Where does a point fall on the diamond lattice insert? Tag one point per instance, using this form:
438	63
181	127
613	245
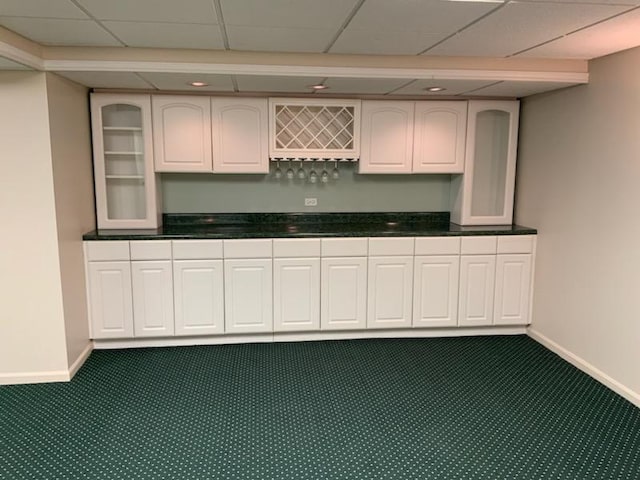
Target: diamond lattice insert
307	127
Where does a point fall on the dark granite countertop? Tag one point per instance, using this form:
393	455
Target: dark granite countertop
306	225
303	225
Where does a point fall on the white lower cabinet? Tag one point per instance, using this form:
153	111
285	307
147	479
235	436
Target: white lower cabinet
248	295
390	291
435	291
110	303
477	277
343	303
152	287
198	287
513	289
296	294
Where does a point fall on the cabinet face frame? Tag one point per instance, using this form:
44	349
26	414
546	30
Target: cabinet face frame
462	187
153	210
279	152
169	135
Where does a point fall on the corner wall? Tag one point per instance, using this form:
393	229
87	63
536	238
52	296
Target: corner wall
74	203
579	184
32	334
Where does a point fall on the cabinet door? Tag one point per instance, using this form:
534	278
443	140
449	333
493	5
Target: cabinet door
513	290
198	288
248	295
435	294
110	303
390	289
343	293
152	298
477	276
296	293
387	137
125	183
240	135
182	133
439	137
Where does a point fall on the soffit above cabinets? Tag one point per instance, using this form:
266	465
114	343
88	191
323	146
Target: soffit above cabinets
395	30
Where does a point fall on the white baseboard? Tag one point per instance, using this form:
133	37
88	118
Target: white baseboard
34	377
75	366
586	367
307	336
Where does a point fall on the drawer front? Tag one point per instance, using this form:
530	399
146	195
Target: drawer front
250	248
197	249
297	247
107	251
438	246
390	246
516	244
479	245
150	250
344	247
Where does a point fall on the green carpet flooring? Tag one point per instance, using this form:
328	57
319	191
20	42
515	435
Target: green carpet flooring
459	408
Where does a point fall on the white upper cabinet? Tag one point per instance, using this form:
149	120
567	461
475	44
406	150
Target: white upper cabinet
123	161
439	137
484	194
182	133
240	135
413	137
314	128
387	137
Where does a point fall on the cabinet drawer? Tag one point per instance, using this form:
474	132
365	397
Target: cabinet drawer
438	246
515	244
250	248
151	250
197	249
298	247
107	251
344	247
390	246
479	245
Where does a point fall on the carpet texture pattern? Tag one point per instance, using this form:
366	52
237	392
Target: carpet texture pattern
444	408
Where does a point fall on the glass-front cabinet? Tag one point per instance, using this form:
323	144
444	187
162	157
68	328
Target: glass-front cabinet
123	162
484	194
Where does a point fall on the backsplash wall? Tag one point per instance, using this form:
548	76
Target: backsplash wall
200	192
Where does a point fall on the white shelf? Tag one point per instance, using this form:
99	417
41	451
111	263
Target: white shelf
125	177
124	153
122	129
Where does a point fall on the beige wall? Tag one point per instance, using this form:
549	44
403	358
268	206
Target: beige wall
579	184
74	201
32	337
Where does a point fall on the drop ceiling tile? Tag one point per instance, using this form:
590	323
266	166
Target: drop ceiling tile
106	79
519	89
619	33
374	86
278	39
453	87
378	42
287	13
264	83
40	8
183	11
434	16
180	81
60	32
6	64
167	35
519	25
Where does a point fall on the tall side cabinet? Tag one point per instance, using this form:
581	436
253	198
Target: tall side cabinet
125	182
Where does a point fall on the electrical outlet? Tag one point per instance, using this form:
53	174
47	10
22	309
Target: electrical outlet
310	202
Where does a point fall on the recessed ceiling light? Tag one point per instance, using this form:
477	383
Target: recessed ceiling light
435	89
319	86
198	84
